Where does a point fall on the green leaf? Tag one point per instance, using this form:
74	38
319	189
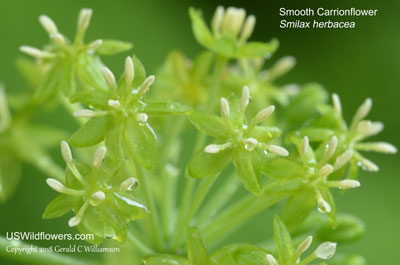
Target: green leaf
114	140
327	195
225	45
61	205
96	99
141	143
298	208
84	230
10	173
204	164
200	29
283	242
197	253
282	187
118	224
209	124
91	133
257	49
89	72
111	47
348	229
264	134
165	259
247	169
282	168
240	254
129	206
164	107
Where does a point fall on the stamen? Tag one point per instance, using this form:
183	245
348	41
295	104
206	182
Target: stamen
343	159
129	71
98	156
263	114
36	52
128	184
4	111
114	103
271	260
362	111
59	187
145	86
217	19
304	146
233	20
76	220
326	250
87	113
381	147
109	77
304	246
248	28
97	198
283	66
250	144
337	105
95	44
278	150
212	148
48	24
84	20
323	206
142	118
368	128
330	150
59	39
244	100
369	165
66	152
346	184
325	170
225	109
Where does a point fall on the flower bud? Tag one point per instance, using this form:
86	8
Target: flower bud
326	250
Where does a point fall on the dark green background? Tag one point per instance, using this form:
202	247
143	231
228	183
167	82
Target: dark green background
355	63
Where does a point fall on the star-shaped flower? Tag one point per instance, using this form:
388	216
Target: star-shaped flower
99	194
120	116
243	143
71	64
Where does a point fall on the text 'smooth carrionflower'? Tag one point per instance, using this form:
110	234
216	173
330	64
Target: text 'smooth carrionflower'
99	194
120	116
71	64
307	181
243	143
229	34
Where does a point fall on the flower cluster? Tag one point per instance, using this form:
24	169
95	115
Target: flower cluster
99	194
69	65
243	143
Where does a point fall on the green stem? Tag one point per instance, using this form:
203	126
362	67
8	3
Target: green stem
309	259
36	257
215	204
155	230
169	181
236	216
138	244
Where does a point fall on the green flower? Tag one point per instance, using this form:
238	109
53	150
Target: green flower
230	32
99	194
70	64
307	180
243	143
288	255
120	116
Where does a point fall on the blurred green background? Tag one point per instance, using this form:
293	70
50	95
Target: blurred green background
356	63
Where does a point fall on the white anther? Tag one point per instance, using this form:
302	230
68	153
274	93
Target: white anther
95	44
128	184
337	105
212	148
129	71
263	114
97	198
381	147
114	103
304	146
48	24
66	152
36	52
348	184
304	246
84	19
278	150
248	28
325	170
55	185
98	156
244	100
217	19
59	39
271	260
343	159
363	110
142	118
330	150
108	76
225	109
324	206
74	221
